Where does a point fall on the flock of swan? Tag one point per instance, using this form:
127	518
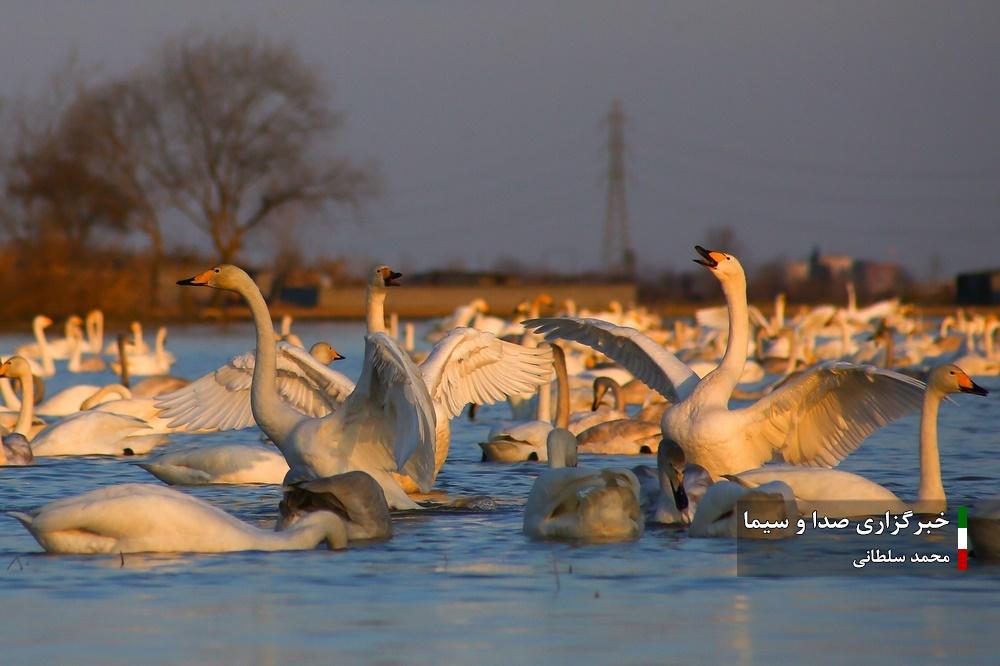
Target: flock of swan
349	452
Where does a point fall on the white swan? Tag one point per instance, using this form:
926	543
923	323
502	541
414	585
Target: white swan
670	493
839	493
146	518
157	362
354	496
144	409
718	513
815	419
14	448
570	502
94	325
77	363
137	345
465	366
63	403
627	436
223	464
39	354
386	424
84	433
527	440
220	400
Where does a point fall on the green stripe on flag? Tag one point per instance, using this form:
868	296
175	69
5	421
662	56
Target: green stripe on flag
963	517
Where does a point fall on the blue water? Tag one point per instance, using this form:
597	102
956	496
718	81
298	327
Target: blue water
467	587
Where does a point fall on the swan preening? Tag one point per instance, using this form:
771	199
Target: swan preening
139	518
579	503
348	450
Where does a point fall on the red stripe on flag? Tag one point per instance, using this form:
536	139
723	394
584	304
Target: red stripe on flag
963	560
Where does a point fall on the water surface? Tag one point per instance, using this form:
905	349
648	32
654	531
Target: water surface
470	587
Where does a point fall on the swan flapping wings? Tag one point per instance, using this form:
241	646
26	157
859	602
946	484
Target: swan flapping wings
823	415
651	363
391	413
470	366
220	400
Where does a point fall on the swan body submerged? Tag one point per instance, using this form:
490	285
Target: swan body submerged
138	518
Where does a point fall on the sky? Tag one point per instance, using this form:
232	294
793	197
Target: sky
864	128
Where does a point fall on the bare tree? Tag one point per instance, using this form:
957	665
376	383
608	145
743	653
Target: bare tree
238	132
106	123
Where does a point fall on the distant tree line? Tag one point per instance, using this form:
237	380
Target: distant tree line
233	134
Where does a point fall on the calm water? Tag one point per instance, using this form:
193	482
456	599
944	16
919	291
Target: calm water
463	587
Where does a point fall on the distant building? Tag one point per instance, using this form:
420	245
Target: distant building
979	288
872	278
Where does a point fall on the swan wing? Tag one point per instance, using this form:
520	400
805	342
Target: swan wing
826	412
391	413
220	400
475	366
336	385
652	364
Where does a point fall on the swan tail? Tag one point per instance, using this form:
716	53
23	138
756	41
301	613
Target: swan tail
24	518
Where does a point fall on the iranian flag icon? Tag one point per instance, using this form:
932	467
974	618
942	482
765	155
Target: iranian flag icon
963	538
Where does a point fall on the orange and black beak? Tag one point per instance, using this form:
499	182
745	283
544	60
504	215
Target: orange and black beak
337	356
966	385
709	260
390	280
199	280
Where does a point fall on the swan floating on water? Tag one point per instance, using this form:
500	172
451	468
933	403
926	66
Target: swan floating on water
570	502
147	518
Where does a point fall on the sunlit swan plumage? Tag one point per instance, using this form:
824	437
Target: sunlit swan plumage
223	463
570	502
386	424
139	518
815	419
840	493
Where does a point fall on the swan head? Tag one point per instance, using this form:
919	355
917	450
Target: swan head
329	523
601	387
15	367
325	353
41	321
225	276
383	276
670	462
952	379
561	447
724	266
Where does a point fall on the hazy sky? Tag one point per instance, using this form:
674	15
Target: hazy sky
870	128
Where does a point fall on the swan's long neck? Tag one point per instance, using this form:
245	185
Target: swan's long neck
931	489
270	412
27	413
98	397
543	410
721	381
43	347
375	310
306	533
95	331
616	393
9	397
562	388
845	337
